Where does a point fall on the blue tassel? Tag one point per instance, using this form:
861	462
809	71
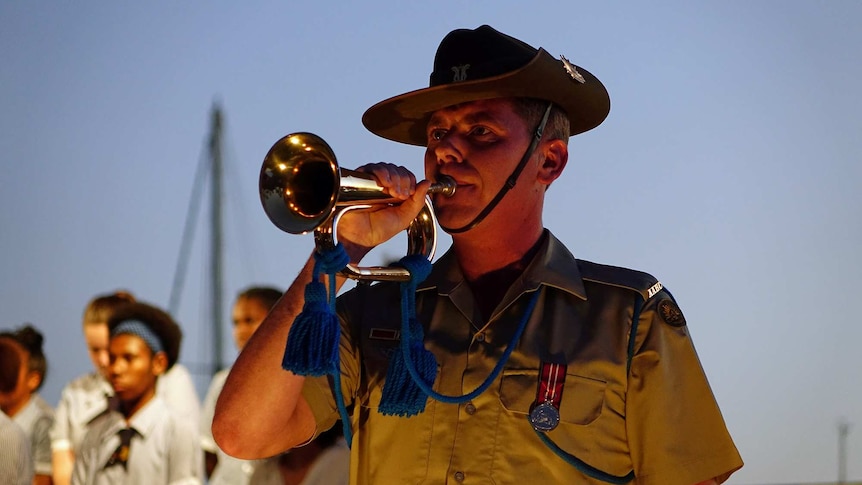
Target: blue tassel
312	345
402	396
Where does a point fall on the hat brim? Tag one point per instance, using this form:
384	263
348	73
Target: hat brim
404	118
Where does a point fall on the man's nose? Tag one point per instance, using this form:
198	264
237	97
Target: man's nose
449	149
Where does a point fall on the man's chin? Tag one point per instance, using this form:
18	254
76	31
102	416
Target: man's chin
450	224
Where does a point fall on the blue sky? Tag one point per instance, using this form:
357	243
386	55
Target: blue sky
729	167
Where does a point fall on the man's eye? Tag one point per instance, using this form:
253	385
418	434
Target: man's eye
437	135
480	131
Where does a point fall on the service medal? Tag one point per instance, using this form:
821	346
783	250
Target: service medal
544	417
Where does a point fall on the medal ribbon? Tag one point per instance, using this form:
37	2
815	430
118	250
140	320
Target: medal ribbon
550	390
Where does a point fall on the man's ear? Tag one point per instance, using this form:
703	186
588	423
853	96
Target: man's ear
160	363
556	155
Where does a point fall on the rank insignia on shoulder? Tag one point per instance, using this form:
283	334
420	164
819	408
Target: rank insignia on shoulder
671	313
654	289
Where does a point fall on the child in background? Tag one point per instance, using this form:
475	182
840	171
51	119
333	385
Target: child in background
324	461
16	464
88	396
143	441
25	406
249	310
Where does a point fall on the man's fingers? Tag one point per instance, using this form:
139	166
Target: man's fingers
397	180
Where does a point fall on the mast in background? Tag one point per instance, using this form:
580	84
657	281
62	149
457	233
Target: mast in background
210	167
216	246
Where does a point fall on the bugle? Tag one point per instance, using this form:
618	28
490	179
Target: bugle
302	189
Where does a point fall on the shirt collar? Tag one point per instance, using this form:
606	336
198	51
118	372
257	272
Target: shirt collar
552	266
28	413
149	416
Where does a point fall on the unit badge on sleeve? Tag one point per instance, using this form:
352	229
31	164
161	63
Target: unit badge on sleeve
671	313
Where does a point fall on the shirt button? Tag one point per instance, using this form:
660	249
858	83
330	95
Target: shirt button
470	408
480	337
459	477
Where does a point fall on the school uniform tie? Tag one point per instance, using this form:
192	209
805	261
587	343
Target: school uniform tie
121	454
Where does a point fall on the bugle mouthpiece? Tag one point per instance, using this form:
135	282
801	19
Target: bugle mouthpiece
445	185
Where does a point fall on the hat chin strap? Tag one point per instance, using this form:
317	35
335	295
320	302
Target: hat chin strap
510	182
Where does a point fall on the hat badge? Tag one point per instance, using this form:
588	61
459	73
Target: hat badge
460	73
572	70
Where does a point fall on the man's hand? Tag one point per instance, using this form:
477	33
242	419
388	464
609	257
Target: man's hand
362	230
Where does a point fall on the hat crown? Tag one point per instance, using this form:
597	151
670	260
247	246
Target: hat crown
472	65
471	54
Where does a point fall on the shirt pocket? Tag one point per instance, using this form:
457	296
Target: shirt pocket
582	402
375	366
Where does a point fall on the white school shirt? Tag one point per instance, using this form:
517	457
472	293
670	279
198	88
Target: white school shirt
229	470
164	449
36	419
16	465
86	397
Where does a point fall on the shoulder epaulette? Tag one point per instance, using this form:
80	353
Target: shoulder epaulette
644	283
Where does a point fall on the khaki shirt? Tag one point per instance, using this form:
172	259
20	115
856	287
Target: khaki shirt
658	419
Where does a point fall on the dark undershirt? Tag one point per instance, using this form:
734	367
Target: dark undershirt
491	287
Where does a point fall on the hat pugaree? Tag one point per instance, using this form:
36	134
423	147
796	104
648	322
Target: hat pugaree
483	63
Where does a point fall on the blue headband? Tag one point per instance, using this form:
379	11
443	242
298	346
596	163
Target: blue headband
142	330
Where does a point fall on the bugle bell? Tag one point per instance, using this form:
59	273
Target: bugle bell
302	189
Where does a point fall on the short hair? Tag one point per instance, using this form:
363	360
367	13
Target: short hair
100	308
10	365
265	295
159	321
31	340
531	111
